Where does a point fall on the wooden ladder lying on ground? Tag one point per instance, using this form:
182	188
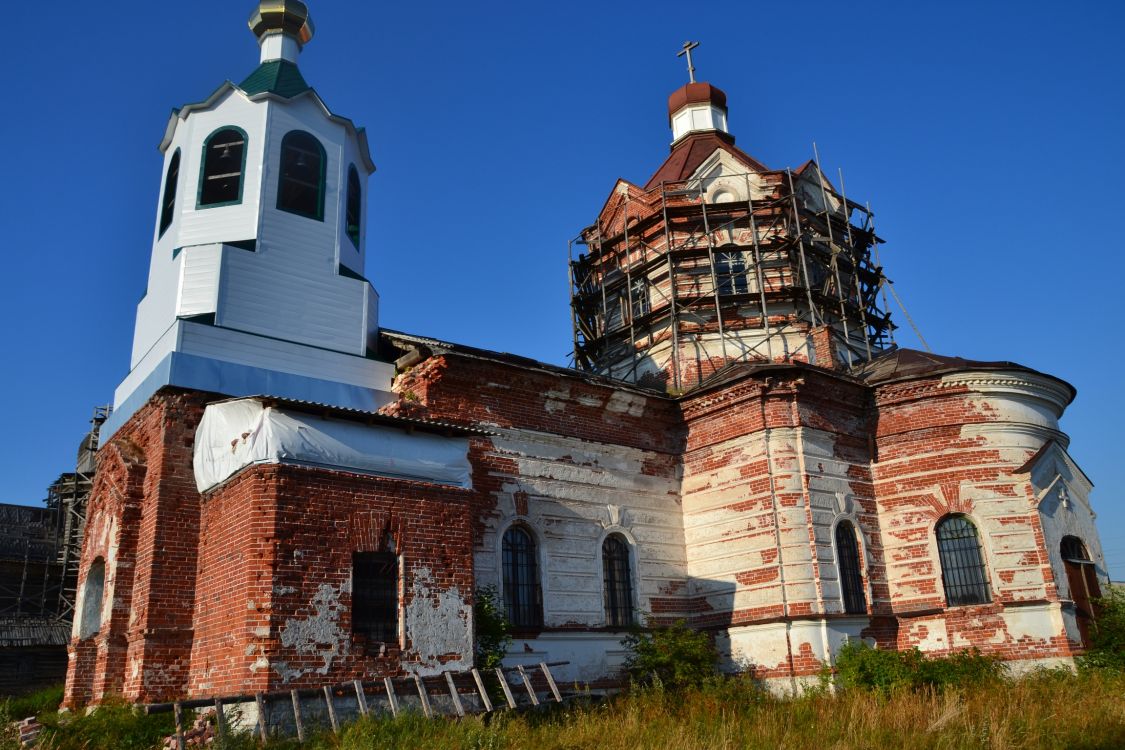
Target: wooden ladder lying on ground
417	685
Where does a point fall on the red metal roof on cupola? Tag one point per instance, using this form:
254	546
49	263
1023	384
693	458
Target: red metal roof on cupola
695	93
694	149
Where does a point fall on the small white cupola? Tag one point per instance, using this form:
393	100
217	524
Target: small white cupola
697	108
283	28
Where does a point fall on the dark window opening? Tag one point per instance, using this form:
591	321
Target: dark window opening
730	272
375	596
522	597
851	577
224	160
962	566
618	582
300	188
1082	580
354	211
168	204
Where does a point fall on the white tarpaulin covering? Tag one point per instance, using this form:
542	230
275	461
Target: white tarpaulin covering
236	434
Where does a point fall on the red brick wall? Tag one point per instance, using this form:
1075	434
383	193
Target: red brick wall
248	589
466	390
274	602
930	465
145	490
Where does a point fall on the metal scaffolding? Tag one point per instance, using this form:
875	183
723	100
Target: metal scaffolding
68	495
40	547
690	279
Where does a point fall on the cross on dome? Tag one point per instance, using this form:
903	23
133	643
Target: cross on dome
688	47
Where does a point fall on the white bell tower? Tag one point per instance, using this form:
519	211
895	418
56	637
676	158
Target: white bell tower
256	282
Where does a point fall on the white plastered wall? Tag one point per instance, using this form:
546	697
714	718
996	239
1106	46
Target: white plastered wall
578	492
1063	495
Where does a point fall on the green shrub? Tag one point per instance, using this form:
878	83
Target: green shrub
676	655
1107	634
18	707
861	666
493	631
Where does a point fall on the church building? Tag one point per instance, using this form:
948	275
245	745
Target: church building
290	496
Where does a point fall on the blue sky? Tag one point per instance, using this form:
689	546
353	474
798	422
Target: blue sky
988	137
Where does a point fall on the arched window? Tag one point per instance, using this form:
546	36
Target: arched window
300	188
92	593
354	212
851	577
522	599
168	204
224	162
962	566
618	582
1082	580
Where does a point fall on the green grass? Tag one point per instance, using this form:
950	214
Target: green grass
1046	710
18	707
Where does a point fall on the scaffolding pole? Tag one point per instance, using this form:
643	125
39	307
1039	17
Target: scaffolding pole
855	267
834	253
801	246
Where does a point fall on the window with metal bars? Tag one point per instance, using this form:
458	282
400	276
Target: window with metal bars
300	188
618	582
354	208
224	163
168	203
962	566
375	596
522	597
851	575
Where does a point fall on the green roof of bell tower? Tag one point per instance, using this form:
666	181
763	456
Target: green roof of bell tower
279	77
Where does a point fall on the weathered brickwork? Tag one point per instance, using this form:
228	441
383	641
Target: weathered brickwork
574	460
729	498
276	553
143	522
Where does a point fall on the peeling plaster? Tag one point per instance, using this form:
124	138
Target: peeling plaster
317	635
1038	623
439	623
929	635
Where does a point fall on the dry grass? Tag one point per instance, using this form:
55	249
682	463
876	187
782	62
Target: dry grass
1046	711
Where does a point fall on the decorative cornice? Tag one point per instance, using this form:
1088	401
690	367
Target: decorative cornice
1026	384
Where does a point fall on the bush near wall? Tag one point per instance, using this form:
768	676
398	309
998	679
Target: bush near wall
676	655
861	666
1107	646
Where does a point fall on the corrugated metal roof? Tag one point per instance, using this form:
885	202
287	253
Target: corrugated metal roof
27	631
905	364
517	360
374	417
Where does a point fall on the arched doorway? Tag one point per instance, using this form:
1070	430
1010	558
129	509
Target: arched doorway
1082	578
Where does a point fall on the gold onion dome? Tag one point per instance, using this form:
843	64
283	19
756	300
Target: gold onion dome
282	17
